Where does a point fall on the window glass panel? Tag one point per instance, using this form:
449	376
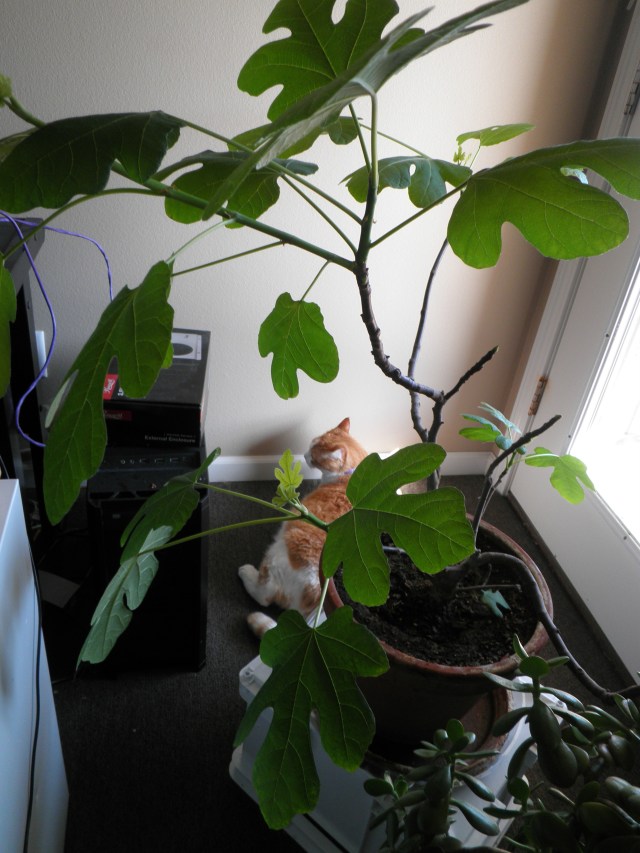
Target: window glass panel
608	438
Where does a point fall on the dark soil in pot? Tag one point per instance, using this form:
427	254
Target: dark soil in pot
458	630
426	685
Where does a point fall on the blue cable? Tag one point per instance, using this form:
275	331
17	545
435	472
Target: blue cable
17	223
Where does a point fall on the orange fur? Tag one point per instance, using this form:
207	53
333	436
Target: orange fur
289	573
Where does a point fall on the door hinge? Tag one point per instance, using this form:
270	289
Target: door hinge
634	94
537	395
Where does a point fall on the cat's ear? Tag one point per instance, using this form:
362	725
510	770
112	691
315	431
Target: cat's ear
344	425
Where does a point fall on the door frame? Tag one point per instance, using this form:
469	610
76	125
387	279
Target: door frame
610	597
566	282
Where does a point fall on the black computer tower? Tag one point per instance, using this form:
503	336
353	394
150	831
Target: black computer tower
169	627
19	459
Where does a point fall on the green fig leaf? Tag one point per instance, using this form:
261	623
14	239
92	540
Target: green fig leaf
8	306
425	178
495	135
295	333
123	594
495	601
171	506
313	669
485	431
342	131
157	521
431	527
562	217
10	142
74	156
363	62
289	479
136	328
317	49
497	414
256	195
569	475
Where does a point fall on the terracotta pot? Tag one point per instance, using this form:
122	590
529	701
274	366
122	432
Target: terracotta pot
416	697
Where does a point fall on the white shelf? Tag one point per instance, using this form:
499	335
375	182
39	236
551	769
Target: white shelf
19	649
340	821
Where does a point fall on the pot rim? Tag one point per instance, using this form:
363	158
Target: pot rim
504	665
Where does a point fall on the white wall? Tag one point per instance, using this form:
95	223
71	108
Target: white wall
537	63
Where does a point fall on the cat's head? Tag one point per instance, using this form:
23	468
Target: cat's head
336	453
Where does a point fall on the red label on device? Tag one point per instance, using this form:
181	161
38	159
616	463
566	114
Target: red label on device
118	415
110	382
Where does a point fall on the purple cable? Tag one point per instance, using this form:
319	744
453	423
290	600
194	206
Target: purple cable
74	234
16	224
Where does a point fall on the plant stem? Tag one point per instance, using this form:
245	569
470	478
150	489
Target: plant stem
476	368
195	239
267	504
363	147
321	213
17	109
417	345
229	258
417	215
364	245
441	400
399	142
301	514
380	358
323	595
274	166
207	132
76	201
310	518
423	313
212	531
529	583
308	185
158	188
291	240
489	487
315	278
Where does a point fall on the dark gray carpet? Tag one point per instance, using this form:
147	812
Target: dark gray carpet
147	752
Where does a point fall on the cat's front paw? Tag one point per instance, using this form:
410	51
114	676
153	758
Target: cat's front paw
250	577
248	573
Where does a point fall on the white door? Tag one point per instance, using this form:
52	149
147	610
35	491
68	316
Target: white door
588	350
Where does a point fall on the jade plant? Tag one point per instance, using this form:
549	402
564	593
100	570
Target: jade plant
580	803
328	72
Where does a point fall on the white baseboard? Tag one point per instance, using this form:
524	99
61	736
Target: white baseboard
234	469
465	463
247	468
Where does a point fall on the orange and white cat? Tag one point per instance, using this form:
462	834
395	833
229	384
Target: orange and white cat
289	573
